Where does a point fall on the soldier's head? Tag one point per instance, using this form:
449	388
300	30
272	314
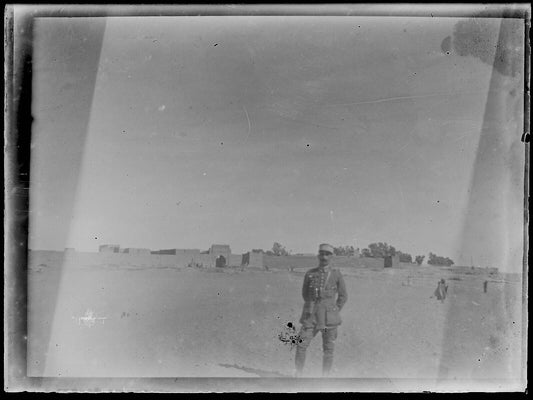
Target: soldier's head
325	254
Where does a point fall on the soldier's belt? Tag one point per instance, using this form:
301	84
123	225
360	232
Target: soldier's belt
320	299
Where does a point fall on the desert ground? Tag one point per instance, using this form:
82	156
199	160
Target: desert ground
189	322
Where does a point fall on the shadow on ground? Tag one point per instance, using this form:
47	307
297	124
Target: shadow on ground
259	372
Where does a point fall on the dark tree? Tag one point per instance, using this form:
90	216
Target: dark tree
366	253
379	250
434	259
344	251
419	259
405	257
279	250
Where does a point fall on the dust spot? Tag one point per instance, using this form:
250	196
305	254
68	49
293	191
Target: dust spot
289	337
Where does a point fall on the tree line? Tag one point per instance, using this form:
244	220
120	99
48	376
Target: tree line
381	249
374	250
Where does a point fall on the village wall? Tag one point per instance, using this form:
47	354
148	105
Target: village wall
182	259
369	262
253	259
235	260
284	262
207	260
136	251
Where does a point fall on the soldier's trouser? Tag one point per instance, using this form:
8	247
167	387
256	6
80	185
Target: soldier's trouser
328	345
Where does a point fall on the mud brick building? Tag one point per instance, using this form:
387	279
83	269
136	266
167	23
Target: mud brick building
253	259
392	261
109	248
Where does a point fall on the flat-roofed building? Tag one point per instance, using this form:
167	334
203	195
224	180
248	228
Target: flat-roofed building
109	248
392	261
253	259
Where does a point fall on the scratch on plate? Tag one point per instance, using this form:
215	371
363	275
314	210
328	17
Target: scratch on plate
301	121
421	96
248	118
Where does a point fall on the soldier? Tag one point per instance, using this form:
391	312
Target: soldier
324	293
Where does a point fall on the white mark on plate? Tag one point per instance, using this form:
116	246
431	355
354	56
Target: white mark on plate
90	318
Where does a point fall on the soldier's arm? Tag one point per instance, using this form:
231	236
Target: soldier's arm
341	291
305	288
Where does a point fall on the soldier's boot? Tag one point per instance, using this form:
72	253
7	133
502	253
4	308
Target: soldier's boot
327	362
328	346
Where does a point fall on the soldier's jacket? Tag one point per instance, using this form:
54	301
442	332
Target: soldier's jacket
324	297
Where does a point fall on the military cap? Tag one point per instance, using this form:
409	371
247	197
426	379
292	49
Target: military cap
326	247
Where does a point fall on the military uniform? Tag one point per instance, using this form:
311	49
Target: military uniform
324	293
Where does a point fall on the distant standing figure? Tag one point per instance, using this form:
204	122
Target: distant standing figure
441	291
485	284
324	293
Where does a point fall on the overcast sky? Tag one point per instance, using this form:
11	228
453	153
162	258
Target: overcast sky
181	132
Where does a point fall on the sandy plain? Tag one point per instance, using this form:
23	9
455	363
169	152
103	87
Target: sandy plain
125	322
